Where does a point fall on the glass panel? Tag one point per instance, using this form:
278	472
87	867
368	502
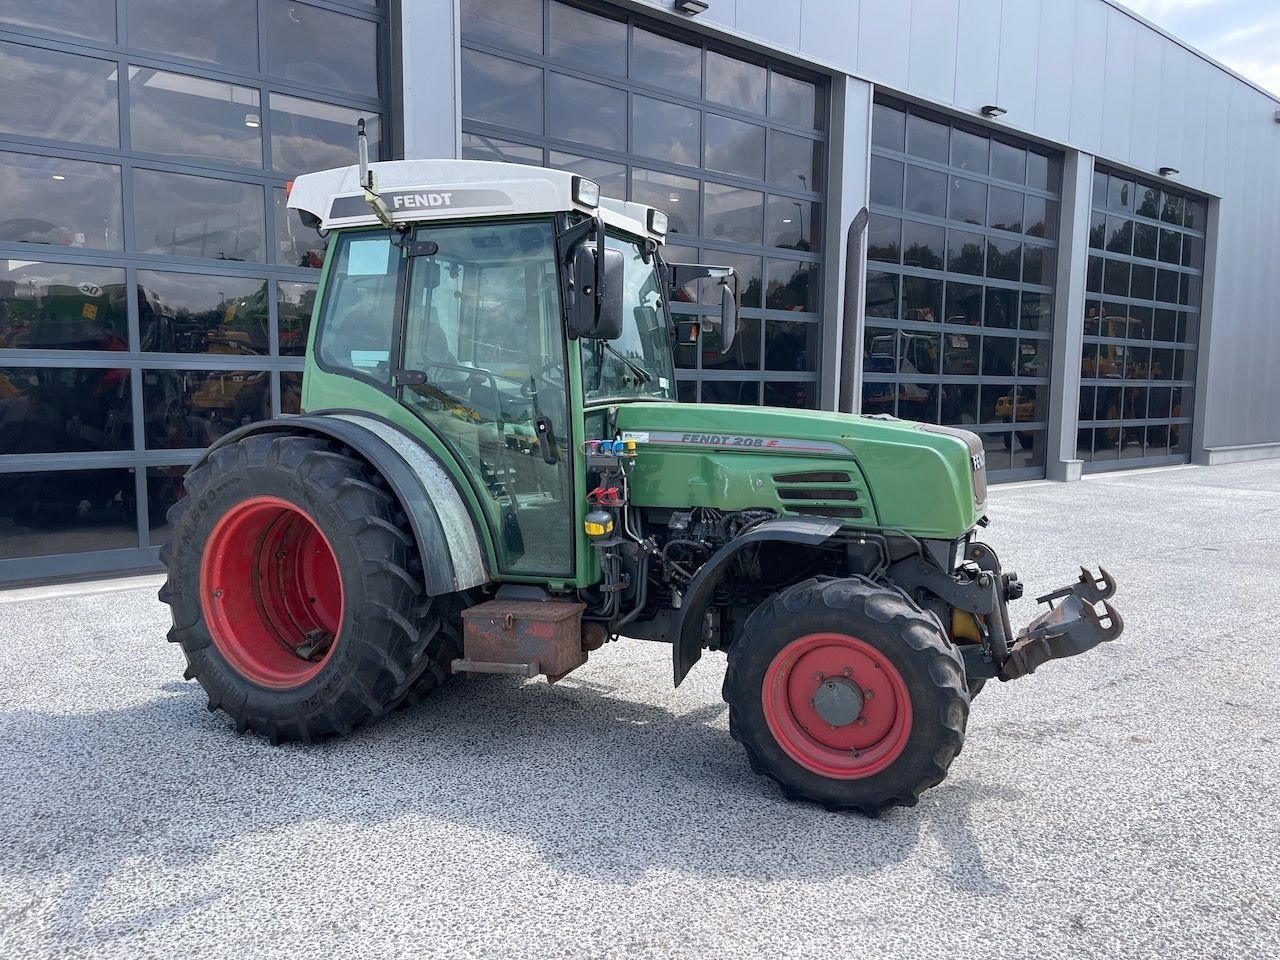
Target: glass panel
749	270
294	303
1145	239
501	92
884	239
1172	210
580	37
924	245
494	371
879	350
678	196
1167	286
996	403
1099	189
481	146
734	146
735	83
743	355
64	203
1005	211
195	118
67	511
1002	308
61	306
803	395
792	286
212	31
1148	202
918	353
1115	280
514	24
1166	325
1119	235
1142	282
730	391
926	191
84	89
886	182
90	19
1008	162
921	300
165	487
965	252
959	401
927	139
1170	246
968	200
665	131
1120	194
793	101
969	151
308	135
878	398
322	48
1196	214
793	160
998	356
791	224
1037	311
964	304
960	356
1033	361
888	128
587	112
1093	275
1140	320
194	313
1038	264
919	401
192	408
1097	230
64	410
1043	173
198	217
882	294
687	391
1192	251
1041	217
791	345
667	63
730	213
297	245
612	177
1004	259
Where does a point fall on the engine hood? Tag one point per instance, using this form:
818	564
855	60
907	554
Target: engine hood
928	480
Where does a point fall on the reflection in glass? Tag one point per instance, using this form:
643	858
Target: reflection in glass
921	299
1008	162
926	191
514	24
189	409
791	345
64	410
888	128
799	394
587	112
503	92
927	139
90	19
1002	308
56	306
83	87
744	354
190	216
968	202
481	146
749	270
792	286
923	245
734	146
612	177
1004	259
965	252
290	392
1005	210
307	135
793	101
998	356
886	182
791	224
964	303
194	313
677	196
735	83
1041	217
165	487
969	151
1037	311
294	303
212	30
793	161
63	203
959	400
884	239
297	245
322	48
1038	264
580	37
960	354
67	511
663	62
195	118
882	295
665	131
731	213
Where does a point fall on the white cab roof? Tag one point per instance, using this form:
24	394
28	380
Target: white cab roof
426	190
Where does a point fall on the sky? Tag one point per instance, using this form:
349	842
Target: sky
1243	34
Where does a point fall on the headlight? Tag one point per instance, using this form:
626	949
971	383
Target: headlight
586	192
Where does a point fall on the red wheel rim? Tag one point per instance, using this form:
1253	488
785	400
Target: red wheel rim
270	589
861	747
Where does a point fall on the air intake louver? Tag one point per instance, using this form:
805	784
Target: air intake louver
818	493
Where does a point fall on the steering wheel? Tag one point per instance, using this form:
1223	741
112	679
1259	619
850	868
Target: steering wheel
527	384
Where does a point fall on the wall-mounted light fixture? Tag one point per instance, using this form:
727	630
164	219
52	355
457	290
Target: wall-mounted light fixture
690	8
1168	171
992	111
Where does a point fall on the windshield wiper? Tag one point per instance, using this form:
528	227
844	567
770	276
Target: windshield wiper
639	372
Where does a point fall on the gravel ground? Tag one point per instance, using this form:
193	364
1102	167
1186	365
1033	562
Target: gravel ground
1123	804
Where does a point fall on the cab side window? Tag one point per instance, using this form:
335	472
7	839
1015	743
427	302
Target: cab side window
355	330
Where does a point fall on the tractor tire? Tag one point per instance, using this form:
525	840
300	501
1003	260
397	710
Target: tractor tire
893	698
296	591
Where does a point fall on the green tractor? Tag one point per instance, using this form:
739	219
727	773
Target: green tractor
493	475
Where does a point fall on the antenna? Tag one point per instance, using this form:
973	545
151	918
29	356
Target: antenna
367	182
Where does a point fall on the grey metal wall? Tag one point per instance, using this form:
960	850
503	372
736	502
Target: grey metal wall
1082	74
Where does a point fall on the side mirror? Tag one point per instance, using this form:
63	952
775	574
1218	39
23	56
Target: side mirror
728	317
596	311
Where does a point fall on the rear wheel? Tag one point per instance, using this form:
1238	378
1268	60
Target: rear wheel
847	694
295	588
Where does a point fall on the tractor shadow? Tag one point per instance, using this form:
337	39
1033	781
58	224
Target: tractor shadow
603	788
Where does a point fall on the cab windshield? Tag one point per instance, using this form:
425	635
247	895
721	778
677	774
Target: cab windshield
637	365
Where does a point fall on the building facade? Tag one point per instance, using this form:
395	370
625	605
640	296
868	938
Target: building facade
1072	218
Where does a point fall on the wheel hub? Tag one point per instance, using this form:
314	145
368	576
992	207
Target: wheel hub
838	701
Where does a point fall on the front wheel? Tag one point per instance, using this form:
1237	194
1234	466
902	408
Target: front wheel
847	694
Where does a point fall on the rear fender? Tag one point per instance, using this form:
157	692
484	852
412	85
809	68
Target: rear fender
686	646
452	558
